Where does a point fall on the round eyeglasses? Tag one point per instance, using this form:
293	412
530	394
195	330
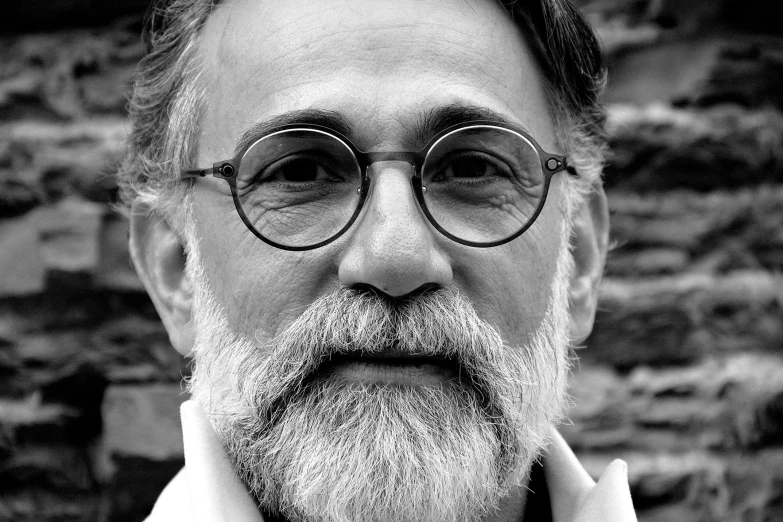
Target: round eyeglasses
301	186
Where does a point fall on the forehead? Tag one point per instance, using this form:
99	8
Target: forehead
381	63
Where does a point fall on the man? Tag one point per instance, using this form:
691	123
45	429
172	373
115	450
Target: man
378	300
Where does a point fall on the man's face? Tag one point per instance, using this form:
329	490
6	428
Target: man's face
384	66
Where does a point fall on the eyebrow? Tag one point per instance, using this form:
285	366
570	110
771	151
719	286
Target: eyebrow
330	119
441	118
427	125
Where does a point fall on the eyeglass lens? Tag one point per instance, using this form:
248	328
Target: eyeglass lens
483	184
301	187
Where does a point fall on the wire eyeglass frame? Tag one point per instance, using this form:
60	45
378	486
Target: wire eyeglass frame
228	170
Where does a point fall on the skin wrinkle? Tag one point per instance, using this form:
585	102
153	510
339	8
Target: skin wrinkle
454	80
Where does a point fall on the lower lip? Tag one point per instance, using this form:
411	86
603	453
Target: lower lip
416	373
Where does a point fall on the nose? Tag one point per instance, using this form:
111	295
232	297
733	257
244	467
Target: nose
393	248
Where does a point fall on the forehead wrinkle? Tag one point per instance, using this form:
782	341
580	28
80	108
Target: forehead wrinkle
284	37
471	68
335	51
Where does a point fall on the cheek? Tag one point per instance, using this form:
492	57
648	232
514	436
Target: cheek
510	286
261	288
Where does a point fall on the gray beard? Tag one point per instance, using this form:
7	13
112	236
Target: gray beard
312	447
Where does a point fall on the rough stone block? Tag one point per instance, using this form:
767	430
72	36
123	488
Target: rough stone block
69	74
636	330
137	350
69	235
729	69
681	415
56	405
731	403
29	421
676	320
16	197
143	421
57	467
659	148
647	74
22	266
60	160
52	349
684	231
742	312
41	505
106	91
682	20
26	84
646	262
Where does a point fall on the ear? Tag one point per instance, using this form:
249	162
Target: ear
158	254
590	239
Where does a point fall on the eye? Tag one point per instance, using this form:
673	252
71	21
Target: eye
296	170
469	167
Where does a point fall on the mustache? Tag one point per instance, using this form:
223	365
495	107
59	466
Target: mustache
364	322
438	323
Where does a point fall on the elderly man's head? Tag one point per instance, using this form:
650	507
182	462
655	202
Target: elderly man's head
377	297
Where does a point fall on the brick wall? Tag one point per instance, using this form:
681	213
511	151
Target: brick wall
682	377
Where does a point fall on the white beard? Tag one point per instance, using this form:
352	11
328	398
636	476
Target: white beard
314	448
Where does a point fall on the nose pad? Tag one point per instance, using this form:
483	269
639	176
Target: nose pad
393	248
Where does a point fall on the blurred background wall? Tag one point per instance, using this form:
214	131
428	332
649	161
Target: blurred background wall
682	377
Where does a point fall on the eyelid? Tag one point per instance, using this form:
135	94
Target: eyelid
491	158
329	172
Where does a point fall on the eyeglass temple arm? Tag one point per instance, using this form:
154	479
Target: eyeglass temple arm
197	173
222	169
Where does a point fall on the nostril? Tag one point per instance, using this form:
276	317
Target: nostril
426	288
364	289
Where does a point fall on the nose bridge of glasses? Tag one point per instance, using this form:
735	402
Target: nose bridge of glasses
392	203
412	158
390	184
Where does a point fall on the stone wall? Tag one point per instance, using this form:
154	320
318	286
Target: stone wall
682	377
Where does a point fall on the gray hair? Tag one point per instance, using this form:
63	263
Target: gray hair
167	102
